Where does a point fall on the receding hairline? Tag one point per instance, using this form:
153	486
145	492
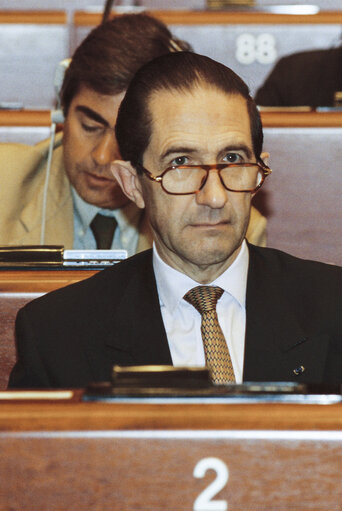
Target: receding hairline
190	91
198	84
179	74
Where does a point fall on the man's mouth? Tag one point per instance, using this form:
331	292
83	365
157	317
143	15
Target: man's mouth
99	178
211	225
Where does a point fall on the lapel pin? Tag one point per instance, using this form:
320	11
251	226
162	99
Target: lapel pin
299	370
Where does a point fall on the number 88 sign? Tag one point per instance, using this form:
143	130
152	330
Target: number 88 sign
250	48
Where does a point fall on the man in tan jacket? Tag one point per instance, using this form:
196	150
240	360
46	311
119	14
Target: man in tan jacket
81	188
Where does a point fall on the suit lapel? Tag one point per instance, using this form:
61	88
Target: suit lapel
131	329
140	328
277	347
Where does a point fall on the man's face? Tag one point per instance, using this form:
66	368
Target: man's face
89	145
198	234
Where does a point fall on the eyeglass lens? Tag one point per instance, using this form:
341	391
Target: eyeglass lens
185	179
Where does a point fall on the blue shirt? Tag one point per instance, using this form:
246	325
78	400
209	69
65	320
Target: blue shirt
126	234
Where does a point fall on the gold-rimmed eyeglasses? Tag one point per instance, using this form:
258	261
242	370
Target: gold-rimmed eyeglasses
189	179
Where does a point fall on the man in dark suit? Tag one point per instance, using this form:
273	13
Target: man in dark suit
191	140
308	78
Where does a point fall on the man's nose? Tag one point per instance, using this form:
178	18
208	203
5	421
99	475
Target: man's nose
106	149
213	194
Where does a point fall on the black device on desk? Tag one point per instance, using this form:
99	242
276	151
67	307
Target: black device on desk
193	383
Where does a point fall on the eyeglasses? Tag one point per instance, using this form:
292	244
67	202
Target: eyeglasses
188	179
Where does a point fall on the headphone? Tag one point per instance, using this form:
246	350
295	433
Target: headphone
57	117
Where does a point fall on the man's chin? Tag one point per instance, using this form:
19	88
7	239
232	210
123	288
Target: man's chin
207	256
105	199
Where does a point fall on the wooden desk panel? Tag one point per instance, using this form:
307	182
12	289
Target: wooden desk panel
37	17
40	281
152	474
30	126
126	461
25	118
270	119
203	17
72	414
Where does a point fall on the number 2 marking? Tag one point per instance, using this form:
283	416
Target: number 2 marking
203	501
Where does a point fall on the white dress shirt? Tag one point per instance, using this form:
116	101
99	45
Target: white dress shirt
183	322
126	234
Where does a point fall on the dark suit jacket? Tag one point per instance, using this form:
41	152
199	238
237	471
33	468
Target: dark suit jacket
308	78
73	336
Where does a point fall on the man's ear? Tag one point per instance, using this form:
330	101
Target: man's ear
126	176
265	157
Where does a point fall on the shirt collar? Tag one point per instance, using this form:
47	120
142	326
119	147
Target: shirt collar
173	285
127	216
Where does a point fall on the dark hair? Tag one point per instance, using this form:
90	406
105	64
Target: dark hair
182	72
109	56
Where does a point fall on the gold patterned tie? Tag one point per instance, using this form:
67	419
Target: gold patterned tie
204	299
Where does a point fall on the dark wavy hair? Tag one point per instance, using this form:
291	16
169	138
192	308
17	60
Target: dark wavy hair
182	72
110	55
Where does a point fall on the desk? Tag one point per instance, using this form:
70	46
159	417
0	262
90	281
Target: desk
25	126
68	455
250	42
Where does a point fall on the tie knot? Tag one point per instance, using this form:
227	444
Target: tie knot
204	298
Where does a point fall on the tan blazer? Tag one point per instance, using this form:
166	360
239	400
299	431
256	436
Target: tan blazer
22	169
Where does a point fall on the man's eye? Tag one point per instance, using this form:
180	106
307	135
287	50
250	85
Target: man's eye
233	158
180	160
91	129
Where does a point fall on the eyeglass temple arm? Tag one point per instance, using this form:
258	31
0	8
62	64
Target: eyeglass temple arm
148	173
265	167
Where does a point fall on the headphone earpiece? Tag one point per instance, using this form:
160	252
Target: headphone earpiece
57	116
